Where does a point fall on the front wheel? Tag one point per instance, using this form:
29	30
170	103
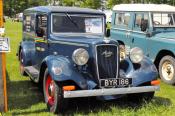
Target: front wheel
167	69
53	94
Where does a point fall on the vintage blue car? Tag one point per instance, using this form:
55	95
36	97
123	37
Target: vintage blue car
150	27
65	50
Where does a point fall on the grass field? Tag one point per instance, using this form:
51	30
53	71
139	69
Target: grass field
25	98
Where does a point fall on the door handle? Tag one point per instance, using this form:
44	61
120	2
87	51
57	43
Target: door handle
127	34
132	40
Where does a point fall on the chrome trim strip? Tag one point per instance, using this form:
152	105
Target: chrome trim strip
111	91
97	60
68	43
129	30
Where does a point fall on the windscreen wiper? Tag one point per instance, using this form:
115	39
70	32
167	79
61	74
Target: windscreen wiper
70	18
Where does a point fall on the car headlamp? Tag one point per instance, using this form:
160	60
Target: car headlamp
136	55
80	56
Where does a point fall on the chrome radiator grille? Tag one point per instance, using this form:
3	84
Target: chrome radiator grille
107	61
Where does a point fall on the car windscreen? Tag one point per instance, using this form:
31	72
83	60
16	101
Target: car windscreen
164	19
77	23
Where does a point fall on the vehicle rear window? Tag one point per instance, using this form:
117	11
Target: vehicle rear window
163	19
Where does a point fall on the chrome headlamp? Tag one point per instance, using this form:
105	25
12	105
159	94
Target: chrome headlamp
80	56
136	55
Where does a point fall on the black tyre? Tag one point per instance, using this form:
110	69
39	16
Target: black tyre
21	66
53	94
167	69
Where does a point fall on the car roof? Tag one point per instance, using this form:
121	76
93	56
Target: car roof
144	7
48	9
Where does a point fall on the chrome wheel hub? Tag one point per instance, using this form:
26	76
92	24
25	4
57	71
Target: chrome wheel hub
167	70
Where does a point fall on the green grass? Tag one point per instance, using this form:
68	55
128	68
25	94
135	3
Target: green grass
25	98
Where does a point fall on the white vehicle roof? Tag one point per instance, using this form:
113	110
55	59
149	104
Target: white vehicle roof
144	7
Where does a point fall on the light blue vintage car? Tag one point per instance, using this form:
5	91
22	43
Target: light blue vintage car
150	27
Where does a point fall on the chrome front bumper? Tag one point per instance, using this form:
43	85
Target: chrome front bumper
111	91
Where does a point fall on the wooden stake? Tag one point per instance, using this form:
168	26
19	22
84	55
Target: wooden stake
3	60
4	80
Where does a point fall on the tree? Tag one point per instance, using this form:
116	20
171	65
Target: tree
12	7
69	2
95	4
111	3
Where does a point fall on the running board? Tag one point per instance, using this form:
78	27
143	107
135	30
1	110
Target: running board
32	72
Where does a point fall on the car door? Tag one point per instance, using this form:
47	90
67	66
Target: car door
41	45
138	36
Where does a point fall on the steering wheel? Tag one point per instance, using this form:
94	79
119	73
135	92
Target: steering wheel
156	22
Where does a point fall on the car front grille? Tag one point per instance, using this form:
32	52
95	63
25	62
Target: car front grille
107	61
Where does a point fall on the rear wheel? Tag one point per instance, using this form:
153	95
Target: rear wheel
53	94
21	66
167	69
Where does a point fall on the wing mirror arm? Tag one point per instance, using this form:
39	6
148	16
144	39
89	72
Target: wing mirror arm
149	34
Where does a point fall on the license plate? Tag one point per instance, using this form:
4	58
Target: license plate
116	82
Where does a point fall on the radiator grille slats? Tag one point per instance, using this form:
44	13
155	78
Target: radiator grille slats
107	61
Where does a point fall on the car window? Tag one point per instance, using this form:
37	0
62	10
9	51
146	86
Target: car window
71	23
29	23
41	26
122	19
163	19
140	18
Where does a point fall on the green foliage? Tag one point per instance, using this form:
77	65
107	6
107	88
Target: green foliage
12	7
69	2
95	4
111	3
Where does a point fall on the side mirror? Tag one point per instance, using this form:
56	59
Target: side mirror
108	33
144	25
149	34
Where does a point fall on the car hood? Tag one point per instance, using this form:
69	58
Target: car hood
169	35
84	39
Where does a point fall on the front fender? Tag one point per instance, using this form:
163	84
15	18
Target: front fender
144	72
68	70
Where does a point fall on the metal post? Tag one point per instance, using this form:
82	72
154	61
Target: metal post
3	91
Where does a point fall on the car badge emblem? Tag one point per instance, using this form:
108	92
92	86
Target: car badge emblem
107	54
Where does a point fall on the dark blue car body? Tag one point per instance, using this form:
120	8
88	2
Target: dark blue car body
38	54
